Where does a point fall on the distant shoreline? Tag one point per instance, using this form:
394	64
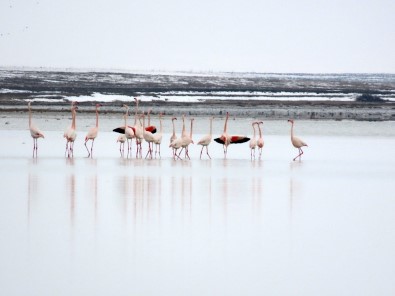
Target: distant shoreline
254	109
18	86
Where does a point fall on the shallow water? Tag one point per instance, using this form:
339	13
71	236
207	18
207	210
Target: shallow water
110	225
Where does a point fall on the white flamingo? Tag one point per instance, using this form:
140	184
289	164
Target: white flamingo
260	143
296	142
158	136
186	140
121	140
93	131
253	141
173	136
206	140
34	132
148	137
71	134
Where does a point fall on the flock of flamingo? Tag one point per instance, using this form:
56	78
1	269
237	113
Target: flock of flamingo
141	132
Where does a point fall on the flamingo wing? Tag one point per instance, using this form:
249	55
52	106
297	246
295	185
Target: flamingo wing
151	129
121	130
219	140
238	139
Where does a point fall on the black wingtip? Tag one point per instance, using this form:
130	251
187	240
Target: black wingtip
242	140
219	140
119	130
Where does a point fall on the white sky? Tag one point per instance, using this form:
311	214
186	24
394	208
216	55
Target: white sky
201	35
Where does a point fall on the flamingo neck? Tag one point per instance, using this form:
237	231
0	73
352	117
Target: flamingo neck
161	126
30	117
260	132
191	128
97	117
183	126
137	111
211	126
174	129
226	123
73	119
292	130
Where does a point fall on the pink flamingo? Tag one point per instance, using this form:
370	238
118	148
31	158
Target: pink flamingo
178	142
186	140
34	132
296	142
129	131
173	136
260	143
93	131
253	142
206	140
71	134
121	140
158	136
225	139
148	137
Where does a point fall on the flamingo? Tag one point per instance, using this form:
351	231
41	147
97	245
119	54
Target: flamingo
158	136
150	128
206	140
173	136
93	131
71	134
260	143
149	137
34	132
253	142
178	142
138	130
185	138
296	142
121	140
225	139
186	141
175	145
129	131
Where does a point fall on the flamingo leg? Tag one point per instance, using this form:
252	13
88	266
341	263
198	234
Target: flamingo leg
299	155
67	148
34	146
180	152
201	151
175	154
72	149
187	153
87	148
93	141
157	148
207	152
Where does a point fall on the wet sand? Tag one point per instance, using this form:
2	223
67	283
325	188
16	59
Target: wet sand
111	225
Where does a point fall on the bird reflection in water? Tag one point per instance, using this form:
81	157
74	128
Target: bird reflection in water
32	187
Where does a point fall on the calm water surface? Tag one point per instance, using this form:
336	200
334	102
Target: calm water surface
110	225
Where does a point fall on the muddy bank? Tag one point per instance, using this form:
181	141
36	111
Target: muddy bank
252	109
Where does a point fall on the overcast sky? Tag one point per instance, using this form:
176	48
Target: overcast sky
203	35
